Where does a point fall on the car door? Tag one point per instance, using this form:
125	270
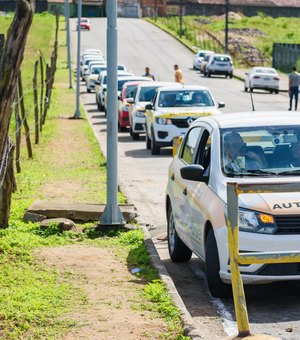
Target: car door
178	185
197	194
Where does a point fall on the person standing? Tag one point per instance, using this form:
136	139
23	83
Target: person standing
148	74
294	81
178	75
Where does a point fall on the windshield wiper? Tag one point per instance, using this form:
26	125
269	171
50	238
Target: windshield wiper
289	172
256	172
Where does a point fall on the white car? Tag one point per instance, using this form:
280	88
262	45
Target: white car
143	96
199	57
93	75
173	109
101	85
265	78
92	63
220	64
251	147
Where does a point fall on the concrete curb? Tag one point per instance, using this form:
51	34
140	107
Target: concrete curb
187	321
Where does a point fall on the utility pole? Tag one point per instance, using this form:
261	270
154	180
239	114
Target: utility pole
77	112
155	10
180	18
112	215
226	25
68	42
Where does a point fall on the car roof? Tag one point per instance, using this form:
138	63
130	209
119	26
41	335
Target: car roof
160	83
184	87
252	119
132	77
205	51
119	73
221	55
136	82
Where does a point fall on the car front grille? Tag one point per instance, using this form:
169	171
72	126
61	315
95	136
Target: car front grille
288	224
277	269
181	122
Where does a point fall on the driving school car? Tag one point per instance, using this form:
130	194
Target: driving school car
172	110
250	148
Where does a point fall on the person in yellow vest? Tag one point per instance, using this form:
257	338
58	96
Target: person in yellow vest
178	75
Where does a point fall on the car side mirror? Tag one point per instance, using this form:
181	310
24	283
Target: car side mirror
221	104
193	173
130	100
149	107
97	82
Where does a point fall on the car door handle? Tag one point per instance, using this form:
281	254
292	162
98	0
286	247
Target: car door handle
172	177
184	191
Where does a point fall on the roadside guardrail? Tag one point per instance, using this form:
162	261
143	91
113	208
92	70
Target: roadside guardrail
236	259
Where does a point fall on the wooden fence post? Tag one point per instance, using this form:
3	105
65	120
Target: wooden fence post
18	132
42	92
36	108
23	115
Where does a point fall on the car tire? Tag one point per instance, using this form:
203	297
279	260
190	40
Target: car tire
178	251
155	149
216	286
148	141
276	92
101	107
135	136
208	74
88	90
231	75
245	88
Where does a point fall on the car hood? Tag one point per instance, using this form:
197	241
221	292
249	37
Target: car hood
194	111
93	76
141	105
270	203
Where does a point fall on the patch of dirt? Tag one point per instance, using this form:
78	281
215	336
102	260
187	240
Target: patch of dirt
113	310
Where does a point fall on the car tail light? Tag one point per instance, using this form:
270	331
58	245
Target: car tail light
276	78
256	77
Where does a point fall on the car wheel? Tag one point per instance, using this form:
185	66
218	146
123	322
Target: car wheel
208	74
88	90
216	286
135	136
194	68
148	141
245	88
231	75
178	251
271	91
155	149
276	91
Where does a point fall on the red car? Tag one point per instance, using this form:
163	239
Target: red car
84	24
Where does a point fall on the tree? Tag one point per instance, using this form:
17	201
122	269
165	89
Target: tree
10	64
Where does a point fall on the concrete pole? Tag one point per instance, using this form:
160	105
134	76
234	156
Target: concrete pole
180	18
112	215
226	25
77	112
68	43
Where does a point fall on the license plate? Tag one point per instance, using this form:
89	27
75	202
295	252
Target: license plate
266	78
221	64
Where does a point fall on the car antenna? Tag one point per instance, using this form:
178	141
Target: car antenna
253	109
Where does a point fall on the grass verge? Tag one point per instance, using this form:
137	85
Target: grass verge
34	298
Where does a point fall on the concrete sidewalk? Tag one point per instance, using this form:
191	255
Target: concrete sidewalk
240	73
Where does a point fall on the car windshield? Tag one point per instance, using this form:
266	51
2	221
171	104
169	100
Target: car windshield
261	151
265	70
130	90
97	70
222	59
147	93
185	98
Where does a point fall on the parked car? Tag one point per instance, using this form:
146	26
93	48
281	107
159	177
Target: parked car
87	71
121	81
143	96
261	145
172	110
84	64
128	92
199	57
93	75
265	78
101	85
204	62
84	24
219	64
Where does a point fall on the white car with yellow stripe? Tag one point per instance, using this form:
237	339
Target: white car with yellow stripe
172	110
253	147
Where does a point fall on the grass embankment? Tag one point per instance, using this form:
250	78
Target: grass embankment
267	30
34	298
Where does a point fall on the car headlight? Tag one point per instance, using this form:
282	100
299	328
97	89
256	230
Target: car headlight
256	222
163	121
140	113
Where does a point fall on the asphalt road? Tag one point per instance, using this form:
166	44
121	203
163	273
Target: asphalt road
273	309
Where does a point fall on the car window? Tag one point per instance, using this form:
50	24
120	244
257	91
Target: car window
185	98
222	59
270	149
189	147
130	91
204	152
265	70
147	93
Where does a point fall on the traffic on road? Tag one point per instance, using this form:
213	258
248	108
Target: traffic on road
195	180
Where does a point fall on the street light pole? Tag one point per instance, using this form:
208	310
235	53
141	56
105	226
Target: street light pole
155	10
77	112
68	43
112	215
226	25
180	19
